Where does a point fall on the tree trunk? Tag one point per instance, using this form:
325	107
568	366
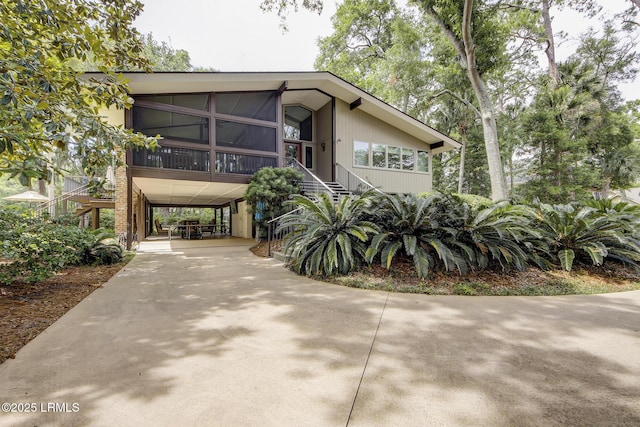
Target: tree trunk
489	126
462	155
550	51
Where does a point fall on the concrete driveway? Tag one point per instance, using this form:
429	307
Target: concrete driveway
190	334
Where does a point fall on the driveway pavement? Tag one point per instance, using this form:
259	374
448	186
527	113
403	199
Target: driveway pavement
190	334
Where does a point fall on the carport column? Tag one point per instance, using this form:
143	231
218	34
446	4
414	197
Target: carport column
241	222
121	200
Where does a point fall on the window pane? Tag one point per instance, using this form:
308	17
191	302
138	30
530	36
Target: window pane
195	101
173	158
180	127
379	155
248	137
308	157
423	161
408	159
242	164
251	105
298	123
360	153
393	157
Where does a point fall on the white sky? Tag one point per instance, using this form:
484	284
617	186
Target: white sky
235	35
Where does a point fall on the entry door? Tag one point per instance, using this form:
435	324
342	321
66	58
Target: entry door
293	150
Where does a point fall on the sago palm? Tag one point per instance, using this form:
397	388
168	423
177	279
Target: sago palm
328	237
410	225
586	232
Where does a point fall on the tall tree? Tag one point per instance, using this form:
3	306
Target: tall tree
476	32
47	104
478	38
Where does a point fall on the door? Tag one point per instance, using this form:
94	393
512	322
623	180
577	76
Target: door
292	150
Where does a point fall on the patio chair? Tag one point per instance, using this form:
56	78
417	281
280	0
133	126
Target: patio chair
160	229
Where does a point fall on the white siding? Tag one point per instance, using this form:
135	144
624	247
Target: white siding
359	126
241	222
113	115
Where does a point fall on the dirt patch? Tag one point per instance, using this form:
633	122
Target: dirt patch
26	309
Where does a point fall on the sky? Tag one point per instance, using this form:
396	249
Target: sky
235	35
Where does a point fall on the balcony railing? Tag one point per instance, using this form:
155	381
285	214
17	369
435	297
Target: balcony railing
173	158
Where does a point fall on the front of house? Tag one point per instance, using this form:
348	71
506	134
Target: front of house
220	128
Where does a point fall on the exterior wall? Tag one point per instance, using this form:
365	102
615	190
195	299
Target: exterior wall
356	125
324	127
241	222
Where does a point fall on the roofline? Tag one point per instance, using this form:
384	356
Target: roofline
324	74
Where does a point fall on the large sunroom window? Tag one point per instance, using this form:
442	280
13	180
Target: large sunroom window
298	123
171	125
250	105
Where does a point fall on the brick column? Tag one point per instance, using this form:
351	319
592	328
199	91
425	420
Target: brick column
121	199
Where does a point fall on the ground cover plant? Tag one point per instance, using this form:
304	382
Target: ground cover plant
439	238
34	248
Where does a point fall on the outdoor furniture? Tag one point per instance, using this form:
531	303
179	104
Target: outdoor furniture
193	230
160	229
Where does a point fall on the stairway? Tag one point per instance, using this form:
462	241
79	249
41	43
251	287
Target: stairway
336	189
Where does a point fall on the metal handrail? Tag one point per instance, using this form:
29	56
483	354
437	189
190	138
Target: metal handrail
346	182
80	191
272	229
317	181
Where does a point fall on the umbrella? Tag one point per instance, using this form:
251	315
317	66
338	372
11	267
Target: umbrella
28	196
111	176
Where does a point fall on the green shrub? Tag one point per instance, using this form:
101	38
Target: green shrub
327	237
33	249
269	188
409	225
593	233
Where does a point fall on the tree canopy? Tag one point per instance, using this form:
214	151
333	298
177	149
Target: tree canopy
472	69
47	104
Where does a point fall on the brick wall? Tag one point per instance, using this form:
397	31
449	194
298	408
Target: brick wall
121	200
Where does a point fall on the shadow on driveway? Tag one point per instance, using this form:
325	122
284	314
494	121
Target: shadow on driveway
217	336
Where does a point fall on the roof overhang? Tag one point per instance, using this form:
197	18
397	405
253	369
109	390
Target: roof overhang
322	81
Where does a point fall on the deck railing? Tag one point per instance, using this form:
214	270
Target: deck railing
75	187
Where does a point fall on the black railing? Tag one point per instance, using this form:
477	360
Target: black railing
173	158
242	163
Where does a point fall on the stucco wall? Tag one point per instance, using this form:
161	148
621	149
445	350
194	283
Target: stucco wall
357	125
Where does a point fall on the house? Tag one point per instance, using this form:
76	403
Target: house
219	128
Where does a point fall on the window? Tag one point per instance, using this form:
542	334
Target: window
308	157
298	125
408	156
389	157
250	105
360	153
393	157
379	155
193	101
423	161
176	126
244	136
